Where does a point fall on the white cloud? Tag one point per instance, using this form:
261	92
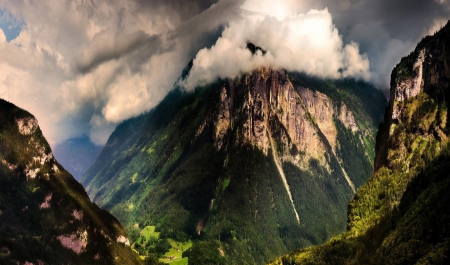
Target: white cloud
297	42
76	62
100	129
437	24
83	66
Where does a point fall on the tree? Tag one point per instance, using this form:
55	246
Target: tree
205	252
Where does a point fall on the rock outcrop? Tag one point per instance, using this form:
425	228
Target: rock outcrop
271	100
273	106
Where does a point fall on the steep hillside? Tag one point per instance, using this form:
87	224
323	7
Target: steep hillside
401	216
258	165
46	216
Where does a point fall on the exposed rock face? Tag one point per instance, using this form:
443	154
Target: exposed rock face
424	70
273	106
321	109
222	119
410	85
77	214
76	242
124	240
347	118
271	100
27	126
46	203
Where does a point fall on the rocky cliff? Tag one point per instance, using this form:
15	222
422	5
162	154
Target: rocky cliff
419	81
401	215
46	216
264	163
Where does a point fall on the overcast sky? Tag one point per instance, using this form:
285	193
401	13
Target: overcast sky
82	67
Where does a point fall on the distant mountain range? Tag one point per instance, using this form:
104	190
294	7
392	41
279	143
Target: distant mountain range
77	155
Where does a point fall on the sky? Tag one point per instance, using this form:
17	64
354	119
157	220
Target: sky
83	66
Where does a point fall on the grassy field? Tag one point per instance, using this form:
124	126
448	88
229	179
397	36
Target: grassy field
176	252
149	231
174	255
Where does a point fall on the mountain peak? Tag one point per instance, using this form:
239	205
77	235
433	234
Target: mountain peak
244	160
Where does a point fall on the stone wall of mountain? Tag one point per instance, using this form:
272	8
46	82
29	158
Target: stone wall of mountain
401	216
261	164
46	216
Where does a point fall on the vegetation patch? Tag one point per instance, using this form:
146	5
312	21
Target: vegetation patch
150	244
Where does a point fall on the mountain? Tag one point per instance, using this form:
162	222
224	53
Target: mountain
46	216
76	155
249	168
402	214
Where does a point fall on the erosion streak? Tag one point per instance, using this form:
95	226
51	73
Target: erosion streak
283	176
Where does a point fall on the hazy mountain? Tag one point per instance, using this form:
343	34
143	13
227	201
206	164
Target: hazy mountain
264	163
402	215
46	216
77	155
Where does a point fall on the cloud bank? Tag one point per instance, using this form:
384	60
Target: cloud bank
307	43
82	67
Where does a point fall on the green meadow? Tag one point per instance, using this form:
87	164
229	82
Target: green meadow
147	240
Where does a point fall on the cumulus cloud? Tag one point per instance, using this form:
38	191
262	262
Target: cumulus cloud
84	66
307	43
386	30
438	24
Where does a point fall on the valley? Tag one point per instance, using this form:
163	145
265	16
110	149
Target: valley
224	132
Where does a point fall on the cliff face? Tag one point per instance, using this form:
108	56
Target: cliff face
270	101
266	162
401	215
271	110
45	215
419	88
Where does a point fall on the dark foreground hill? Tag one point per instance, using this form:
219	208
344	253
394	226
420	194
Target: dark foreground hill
402	215
46	216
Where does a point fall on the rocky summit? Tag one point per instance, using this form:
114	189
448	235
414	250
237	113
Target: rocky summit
248	168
